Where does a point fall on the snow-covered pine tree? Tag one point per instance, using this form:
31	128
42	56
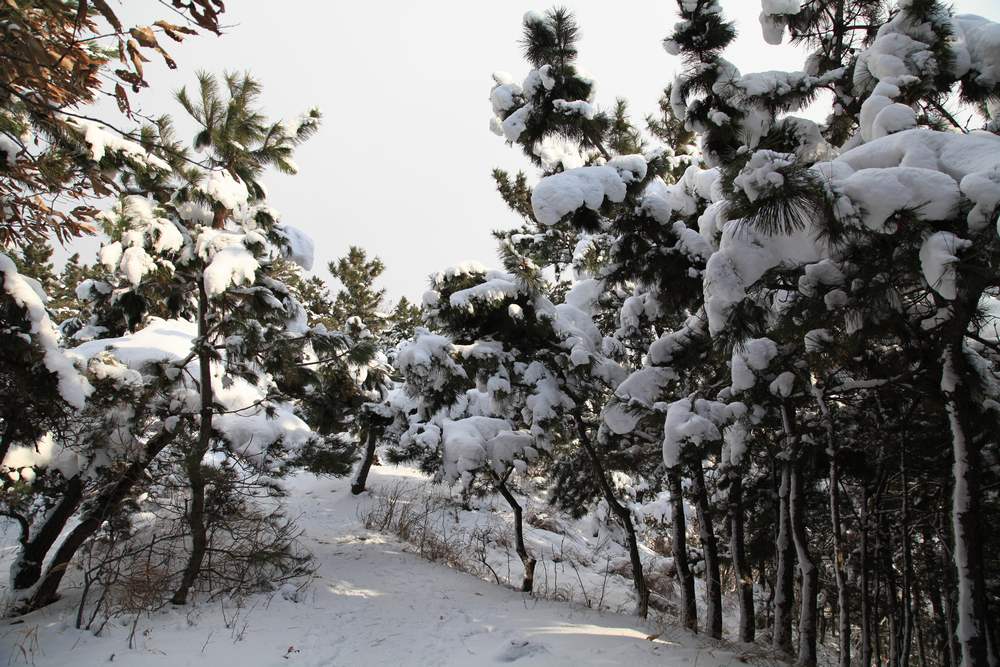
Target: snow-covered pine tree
206	252
358	296
800	225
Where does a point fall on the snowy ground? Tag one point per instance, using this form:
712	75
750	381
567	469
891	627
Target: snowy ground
372	603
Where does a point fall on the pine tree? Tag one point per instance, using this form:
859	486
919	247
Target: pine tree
357	296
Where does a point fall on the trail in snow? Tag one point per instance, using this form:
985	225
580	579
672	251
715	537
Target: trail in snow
372	603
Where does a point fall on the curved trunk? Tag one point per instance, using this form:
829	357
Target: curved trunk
528	582
807	568
623	515
104	506
741	570
713	580
361	479
196	477
678	547
27	569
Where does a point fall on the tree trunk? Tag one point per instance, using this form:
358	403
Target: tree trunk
784	577
710	546
843	606
623	515
678	547
907	579
361	479
948	588
196	477
807	568
527	583
27	568
104	506
741	570
866	607
972	628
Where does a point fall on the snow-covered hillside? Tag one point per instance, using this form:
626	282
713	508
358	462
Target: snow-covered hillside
372	602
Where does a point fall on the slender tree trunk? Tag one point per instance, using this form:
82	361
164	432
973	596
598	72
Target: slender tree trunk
741	570
892	605
27	568
807	568
709	543
527	583
918	624
973	628
361	479
678	547
784	576
622	513
104	506
195	472
866	607
936	583
907	582
843	605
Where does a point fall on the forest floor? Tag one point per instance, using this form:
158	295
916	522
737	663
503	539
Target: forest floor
373	601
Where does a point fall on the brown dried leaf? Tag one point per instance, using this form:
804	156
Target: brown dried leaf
108	14
122	98
175	32
144	35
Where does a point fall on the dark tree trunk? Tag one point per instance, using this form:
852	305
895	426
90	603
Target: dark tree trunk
710	546
784	576
358	485
27	569
906	634
193	464
623	515
741	570
866	606
527	583
104	506
807	568
843	605
678	546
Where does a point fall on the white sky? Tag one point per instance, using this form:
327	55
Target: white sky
402	163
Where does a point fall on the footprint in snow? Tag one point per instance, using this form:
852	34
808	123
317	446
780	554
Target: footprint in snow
520	648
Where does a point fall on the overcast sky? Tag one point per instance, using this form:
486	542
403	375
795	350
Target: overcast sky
402	163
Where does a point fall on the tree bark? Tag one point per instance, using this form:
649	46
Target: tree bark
528	582
27	568
866	608
843	605
104	506
193	464
678	547
784	577
807	568
741	570
361	479
710	546
972	624
622	513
